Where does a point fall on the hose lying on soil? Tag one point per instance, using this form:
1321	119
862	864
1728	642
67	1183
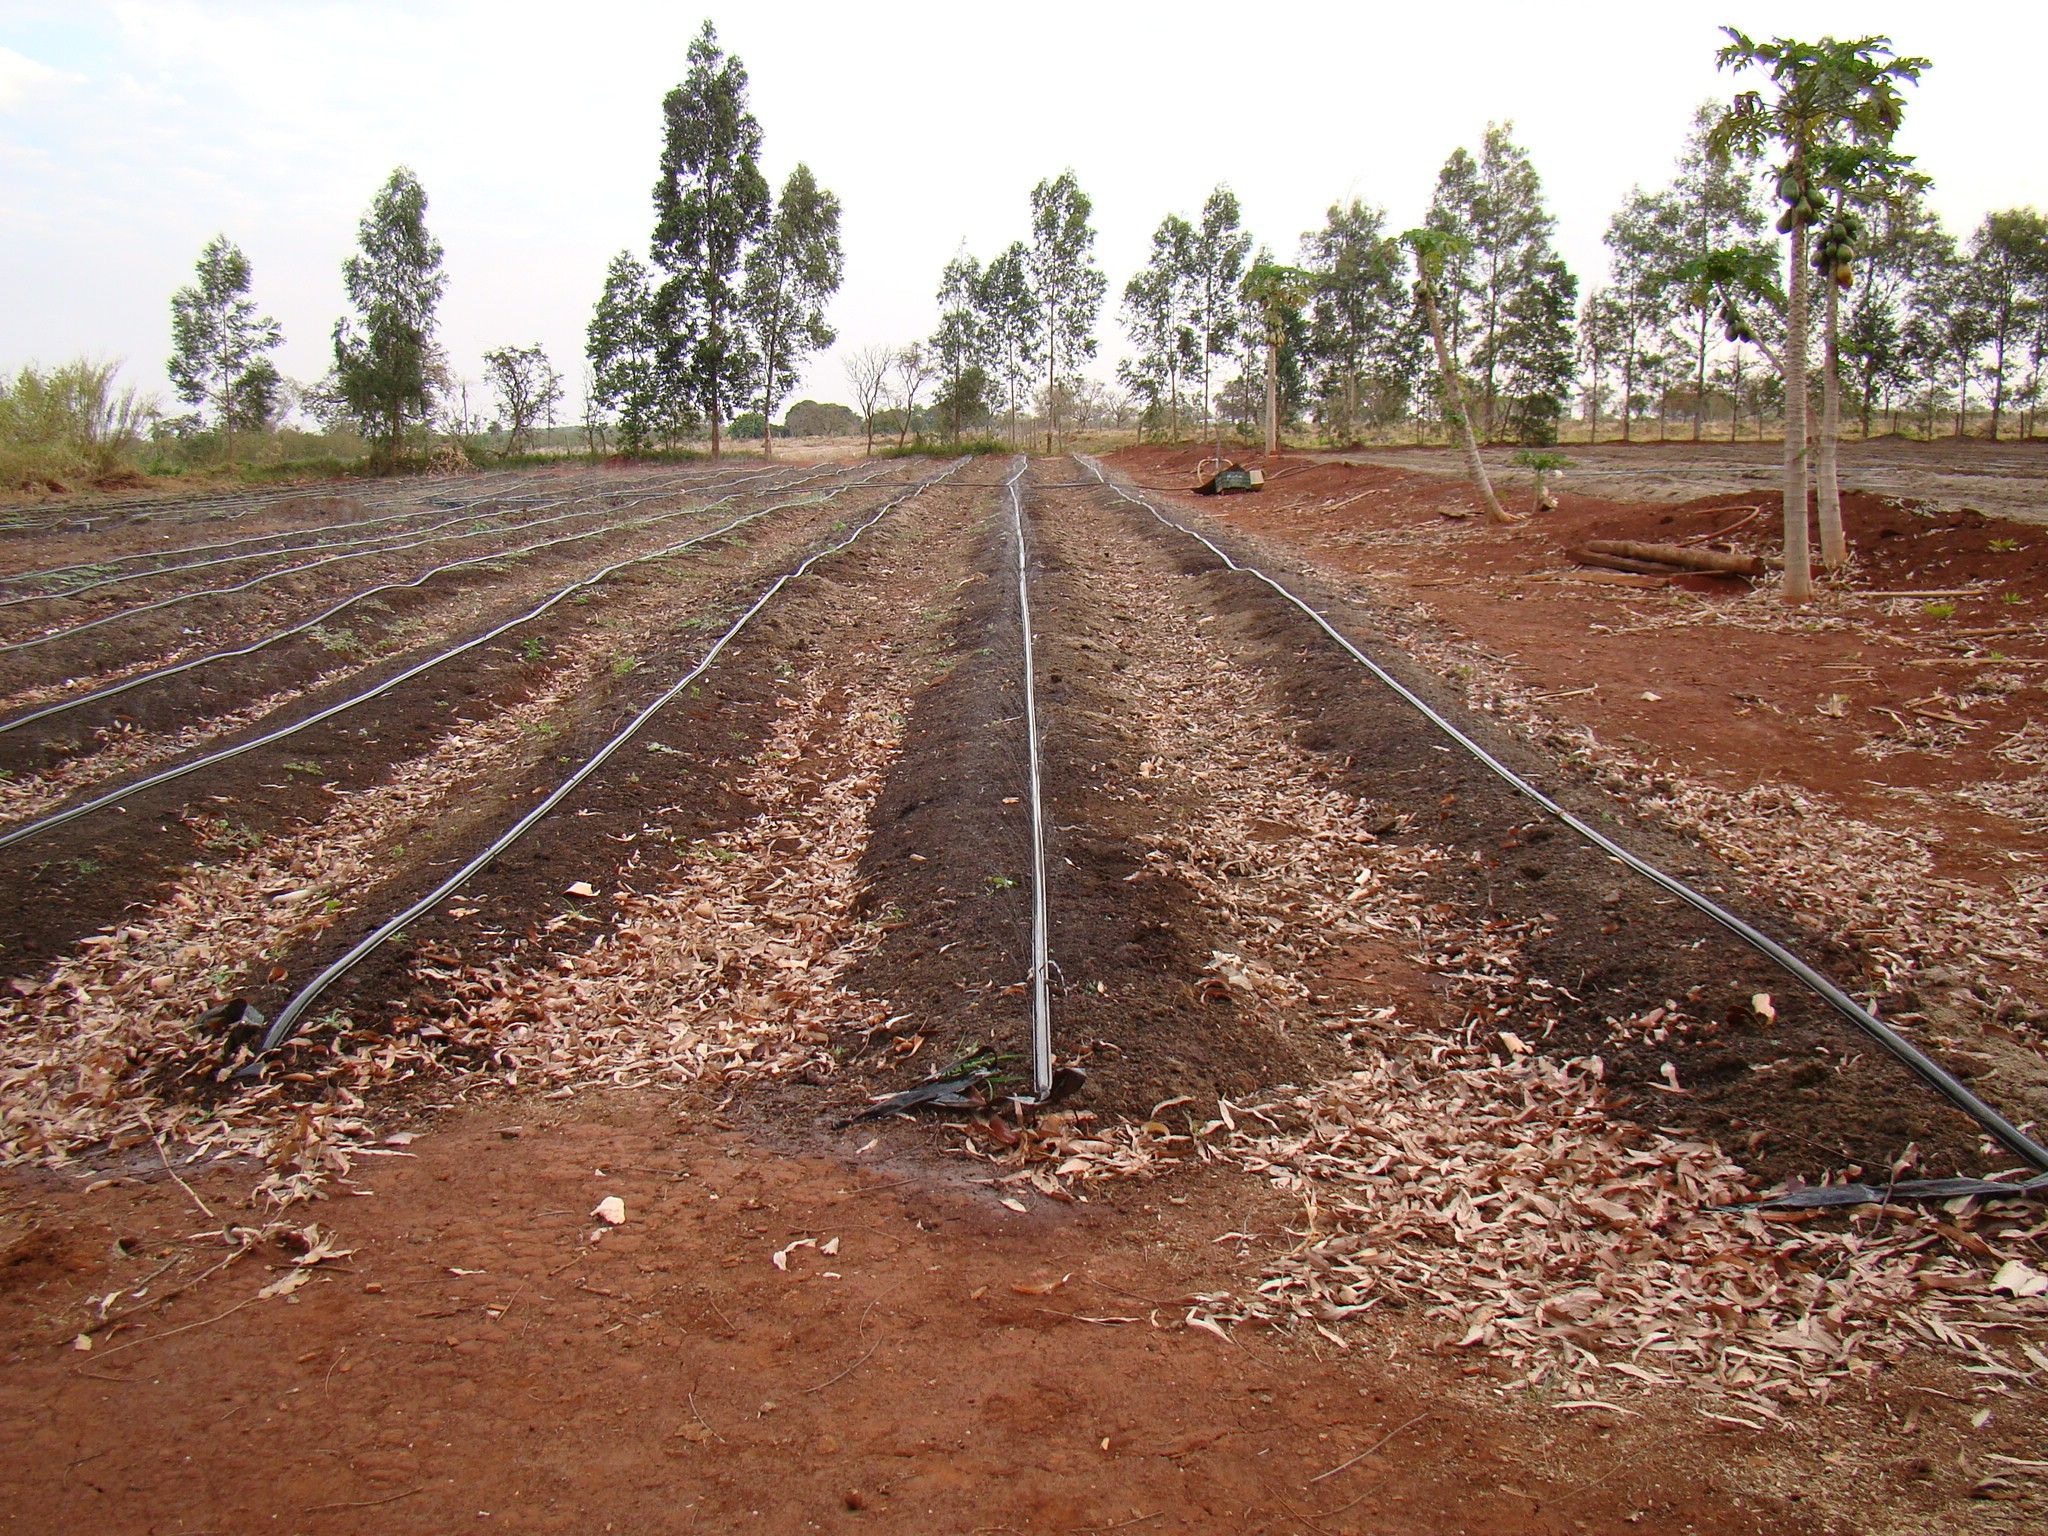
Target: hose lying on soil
288	1017
1914	1059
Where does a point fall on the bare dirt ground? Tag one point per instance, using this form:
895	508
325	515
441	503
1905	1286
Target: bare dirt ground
1393	1198
2007	479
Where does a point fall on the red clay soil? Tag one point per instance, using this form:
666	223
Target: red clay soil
491	1357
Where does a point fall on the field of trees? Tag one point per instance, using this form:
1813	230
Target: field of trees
608	944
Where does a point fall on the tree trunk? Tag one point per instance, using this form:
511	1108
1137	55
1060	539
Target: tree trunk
1272	395
1454	398
1628	387
1699	386
1798	557
1998	382
1834	548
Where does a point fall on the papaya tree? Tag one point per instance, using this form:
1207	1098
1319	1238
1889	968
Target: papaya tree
1826	97
1276	293
1434	250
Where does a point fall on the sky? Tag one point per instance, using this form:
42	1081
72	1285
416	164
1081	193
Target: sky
130	133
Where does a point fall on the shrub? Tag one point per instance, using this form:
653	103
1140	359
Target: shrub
68	421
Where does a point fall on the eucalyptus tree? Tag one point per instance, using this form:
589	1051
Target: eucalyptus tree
959	348
791	272
1360	320
867	371
1828	98
1215	267
1638	312
1712	205
624	352
528	389
387	366
1508	299
1951	325
1009	308
220	344
1603	339
711	202
1066	282
1156	318
1435	250
2009	269
1902	245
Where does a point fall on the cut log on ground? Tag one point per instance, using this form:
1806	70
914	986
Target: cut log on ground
1714	561
1621	563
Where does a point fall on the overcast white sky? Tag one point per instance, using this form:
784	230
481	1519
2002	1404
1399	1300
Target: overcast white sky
132	132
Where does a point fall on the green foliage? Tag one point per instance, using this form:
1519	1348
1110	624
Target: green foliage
1066	281
962	349
625	361
57	423
1008	306
711	202
219	342
1156	318
1363	342
529	390
1507	299
808	418
790	274
944	449
387	366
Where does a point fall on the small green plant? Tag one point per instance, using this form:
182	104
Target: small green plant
2004	546
624	665
533	647
341	640
2011	597
227	835
1939	610
305	765
1000	882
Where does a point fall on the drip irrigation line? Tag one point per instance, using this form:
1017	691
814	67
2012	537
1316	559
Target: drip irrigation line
1911	1056
360	545
100	802
1041	1001
288	1017
314	565
497	499
156	674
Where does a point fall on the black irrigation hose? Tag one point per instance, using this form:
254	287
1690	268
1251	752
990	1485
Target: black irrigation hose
314	565
1041	961
288	1017
1915	1060
100	802
360	545
156	674
499	501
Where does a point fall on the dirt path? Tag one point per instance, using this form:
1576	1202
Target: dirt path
1260	1275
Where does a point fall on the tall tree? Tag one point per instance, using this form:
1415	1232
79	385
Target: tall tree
1216	262
1640	314
1359	324
1950	326
386	363
1010	314
710	203
1068	284
219	343
1436	251
2009	267
790	275
528	390
1711	205
625	355
1827	95
1507	298
1902	244
1603	338
1155	317
959	348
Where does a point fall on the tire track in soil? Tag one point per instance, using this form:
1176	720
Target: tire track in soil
81	876
88	747
1822	1101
